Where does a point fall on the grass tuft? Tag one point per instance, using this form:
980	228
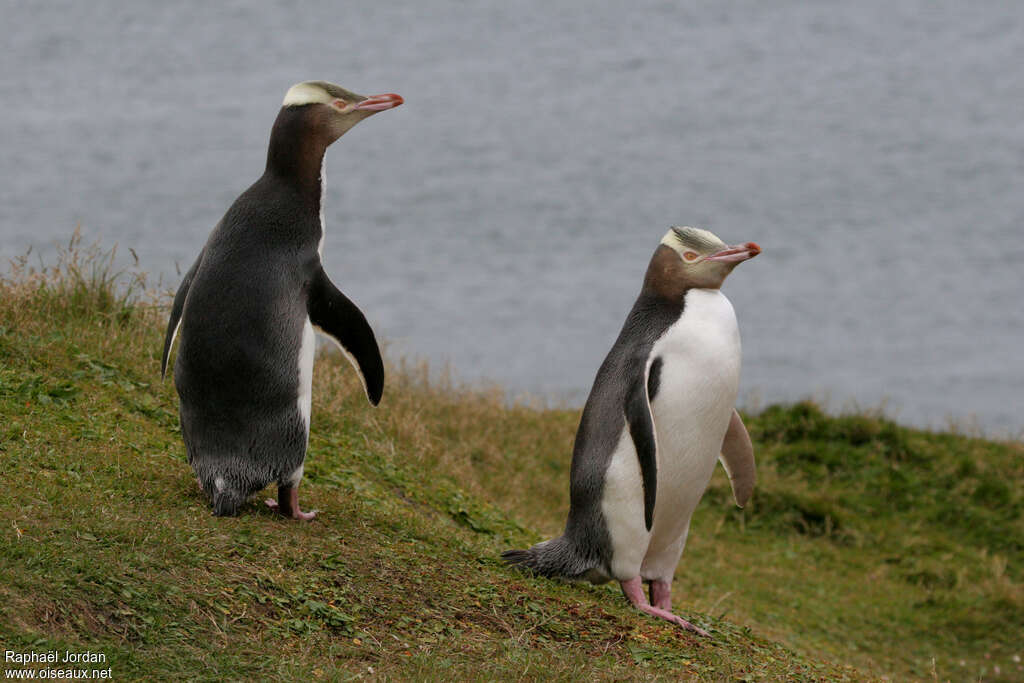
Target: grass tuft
83	285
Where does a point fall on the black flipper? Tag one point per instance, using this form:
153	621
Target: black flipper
176	311
336	316
641	428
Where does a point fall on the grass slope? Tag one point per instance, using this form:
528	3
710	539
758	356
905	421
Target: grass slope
888	550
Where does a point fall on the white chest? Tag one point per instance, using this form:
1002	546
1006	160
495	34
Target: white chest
697	385
704	343
698	382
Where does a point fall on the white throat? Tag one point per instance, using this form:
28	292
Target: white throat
323	191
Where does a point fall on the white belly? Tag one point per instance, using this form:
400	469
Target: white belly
307	352
696	395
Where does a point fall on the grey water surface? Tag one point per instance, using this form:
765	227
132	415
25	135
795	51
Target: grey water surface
502	219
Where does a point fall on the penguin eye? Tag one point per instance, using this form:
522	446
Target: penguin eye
690	256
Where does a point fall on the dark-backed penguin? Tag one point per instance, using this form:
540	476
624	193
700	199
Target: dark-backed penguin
246	312
660	414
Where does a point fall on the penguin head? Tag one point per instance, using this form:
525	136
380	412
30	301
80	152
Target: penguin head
704	261
330	110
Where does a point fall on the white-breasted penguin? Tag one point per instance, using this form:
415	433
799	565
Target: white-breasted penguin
247	308
660	414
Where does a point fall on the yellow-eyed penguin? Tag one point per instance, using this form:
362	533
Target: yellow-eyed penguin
660	414
247	308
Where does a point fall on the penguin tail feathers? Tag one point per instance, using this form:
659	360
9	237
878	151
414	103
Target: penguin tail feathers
225	492
556	558
227	502
520	558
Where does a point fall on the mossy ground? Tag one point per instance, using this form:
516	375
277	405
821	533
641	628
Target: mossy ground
868	550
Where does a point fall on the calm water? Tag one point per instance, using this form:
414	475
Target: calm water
502	219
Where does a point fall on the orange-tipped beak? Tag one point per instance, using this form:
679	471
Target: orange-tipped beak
735	254
379	102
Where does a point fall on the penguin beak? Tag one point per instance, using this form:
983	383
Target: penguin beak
375	103
736	254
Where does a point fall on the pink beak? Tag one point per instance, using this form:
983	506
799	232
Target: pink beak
735	254
379	102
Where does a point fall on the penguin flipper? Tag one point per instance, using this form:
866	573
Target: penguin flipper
176	310
641	429
738	459
336	316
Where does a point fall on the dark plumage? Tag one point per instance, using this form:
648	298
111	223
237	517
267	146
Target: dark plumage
245	309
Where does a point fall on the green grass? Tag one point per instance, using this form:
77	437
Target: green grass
868	549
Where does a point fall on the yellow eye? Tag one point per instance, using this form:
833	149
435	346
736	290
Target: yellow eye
690	256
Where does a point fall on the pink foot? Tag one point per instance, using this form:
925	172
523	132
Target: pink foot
287	504
661	594
634	592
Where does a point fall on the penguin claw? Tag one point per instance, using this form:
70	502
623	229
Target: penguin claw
690	627
675	619
633	590
304	516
